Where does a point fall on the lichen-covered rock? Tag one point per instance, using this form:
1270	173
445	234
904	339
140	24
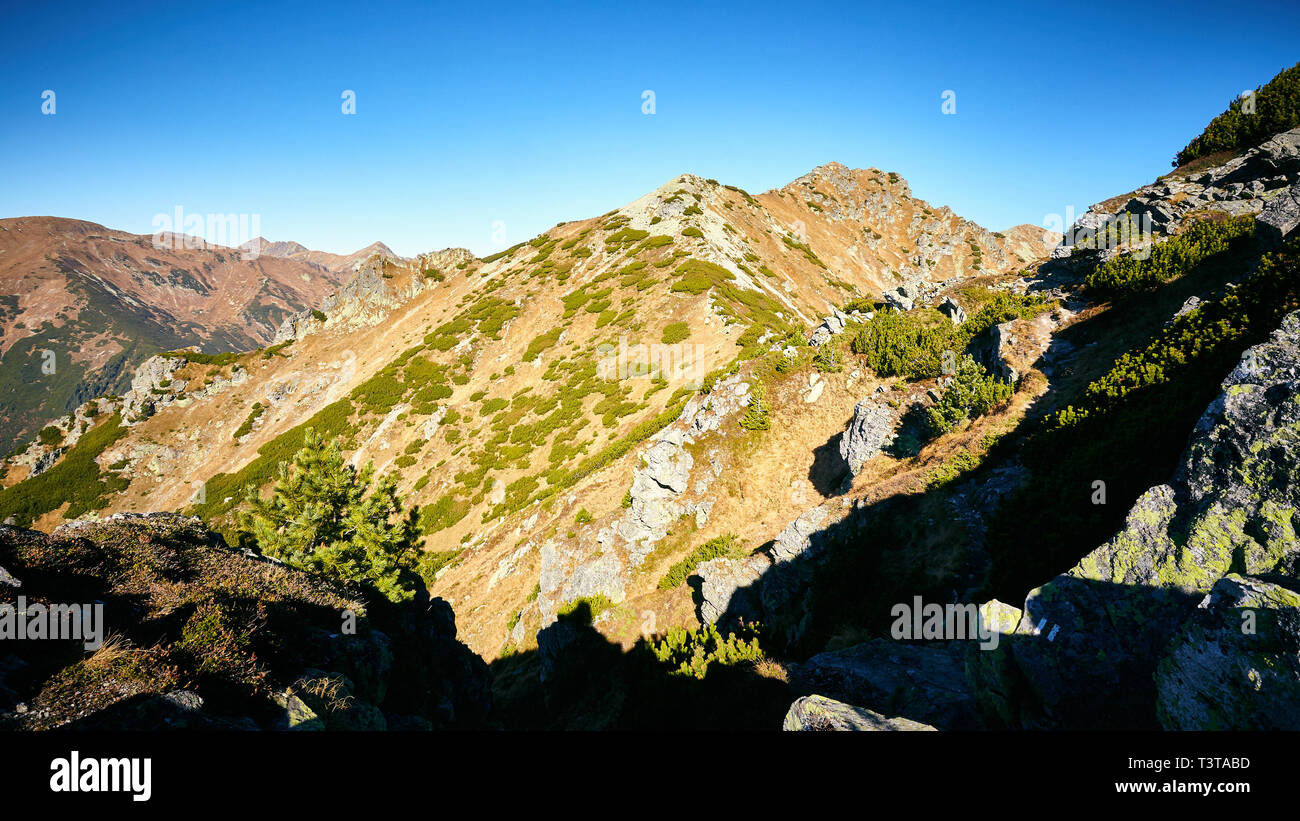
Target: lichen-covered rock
870	430
1236	662
817	713
330	696
1231	507
297	716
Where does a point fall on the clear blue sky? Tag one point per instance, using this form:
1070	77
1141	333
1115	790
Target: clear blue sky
530	114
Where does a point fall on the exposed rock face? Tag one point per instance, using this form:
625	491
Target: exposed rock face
1231	507
663	475
799	537
379	285
785	585
1281	217
924	683
871	429
152	388
297	325
567	575
1234	663
45	461
727	586
818	713
662	478
443	261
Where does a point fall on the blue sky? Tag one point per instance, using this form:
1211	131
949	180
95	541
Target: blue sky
531	114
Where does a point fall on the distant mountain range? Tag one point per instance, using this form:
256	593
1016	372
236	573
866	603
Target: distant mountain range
335	263
83	305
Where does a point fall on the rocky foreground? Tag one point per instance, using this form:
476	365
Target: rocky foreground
1187	619
202	636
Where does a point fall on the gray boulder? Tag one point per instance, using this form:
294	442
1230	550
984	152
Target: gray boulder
818	713
1236	662
952	310
871	429
1281	217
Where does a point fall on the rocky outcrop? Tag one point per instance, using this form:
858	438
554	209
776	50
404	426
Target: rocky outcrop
568	574
727	587
297	325
661	480
829	327
1280	219
870	430
1230	508
40	455
152	388
902	298
785	586
379	285
800	536
1243	185
1011	349
952	310
1234	663
818	713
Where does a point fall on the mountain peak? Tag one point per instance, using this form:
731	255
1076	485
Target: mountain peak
376	248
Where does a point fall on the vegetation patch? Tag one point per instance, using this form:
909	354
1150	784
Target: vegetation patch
1276	109
727	546
74	479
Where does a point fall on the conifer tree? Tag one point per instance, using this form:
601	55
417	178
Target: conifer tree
324	517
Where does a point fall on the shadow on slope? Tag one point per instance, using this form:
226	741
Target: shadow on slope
591	683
